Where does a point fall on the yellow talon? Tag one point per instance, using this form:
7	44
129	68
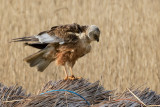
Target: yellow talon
72	77
66	78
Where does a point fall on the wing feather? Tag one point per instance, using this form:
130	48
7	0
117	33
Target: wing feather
57	34
46	38
67	33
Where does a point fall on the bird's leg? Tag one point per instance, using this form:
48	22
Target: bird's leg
72	77
65	71
71	71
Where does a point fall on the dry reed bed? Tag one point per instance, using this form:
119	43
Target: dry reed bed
94	93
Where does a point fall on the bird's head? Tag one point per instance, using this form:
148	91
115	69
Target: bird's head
93	33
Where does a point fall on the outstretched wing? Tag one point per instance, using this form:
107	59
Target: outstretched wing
62	34
57	34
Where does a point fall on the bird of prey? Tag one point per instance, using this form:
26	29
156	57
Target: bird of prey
63	44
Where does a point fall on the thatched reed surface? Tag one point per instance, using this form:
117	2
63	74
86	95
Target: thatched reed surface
13	94
94	93
134	98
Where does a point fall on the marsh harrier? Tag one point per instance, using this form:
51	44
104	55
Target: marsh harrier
63	44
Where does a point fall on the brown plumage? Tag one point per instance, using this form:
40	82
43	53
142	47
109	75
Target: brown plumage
63	44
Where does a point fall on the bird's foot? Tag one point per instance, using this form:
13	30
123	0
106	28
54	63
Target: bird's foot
72	77
66	78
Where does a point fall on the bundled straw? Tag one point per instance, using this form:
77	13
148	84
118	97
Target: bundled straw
92	92
10	96
134	98
76	93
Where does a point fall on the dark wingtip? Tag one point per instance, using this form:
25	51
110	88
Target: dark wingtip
36	45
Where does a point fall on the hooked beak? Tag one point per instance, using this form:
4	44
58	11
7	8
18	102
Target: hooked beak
97	39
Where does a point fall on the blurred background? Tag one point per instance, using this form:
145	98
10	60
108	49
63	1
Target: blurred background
128	52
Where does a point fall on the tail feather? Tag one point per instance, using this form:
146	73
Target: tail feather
38	60
34	59
43	65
